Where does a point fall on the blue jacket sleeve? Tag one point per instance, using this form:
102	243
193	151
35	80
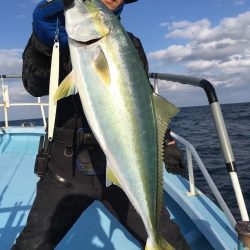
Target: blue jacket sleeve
47	18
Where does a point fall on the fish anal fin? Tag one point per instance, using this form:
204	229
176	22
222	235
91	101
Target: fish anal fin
101	67
110	177
66	88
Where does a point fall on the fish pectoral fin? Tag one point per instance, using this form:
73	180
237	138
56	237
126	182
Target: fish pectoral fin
101	66
67	87
110	177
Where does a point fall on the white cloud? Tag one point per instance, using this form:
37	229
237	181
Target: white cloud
231	27
173	53
11	64
10	61
188	30
219	53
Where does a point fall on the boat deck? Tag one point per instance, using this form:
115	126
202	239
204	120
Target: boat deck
202	223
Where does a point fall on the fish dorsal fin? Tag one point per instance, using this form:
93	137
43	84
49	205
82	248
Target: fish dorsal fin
110	177
164	112
67	87
101	66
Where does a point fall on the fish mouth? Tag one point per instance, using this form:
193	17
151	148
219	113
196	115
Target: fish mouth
86	43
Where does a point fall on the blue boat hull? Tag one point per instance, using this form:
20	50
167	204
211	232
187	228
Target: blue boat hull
201	222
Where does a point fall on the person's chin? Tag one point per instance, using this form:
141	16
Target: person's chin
111	4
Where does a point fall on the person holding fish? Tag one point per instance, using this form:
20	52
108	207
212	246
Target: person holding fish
100	135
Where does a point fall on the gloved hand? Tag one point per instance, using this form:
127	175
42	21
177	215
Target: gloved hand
45	18
173	159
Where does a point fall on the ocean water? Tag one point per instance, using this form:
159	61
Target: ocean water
195	124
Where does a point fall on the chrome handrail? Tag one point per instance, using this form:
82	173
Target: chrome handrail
220	129
224	144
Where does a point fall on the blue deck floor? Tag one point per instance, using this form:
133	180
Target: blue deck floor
96	228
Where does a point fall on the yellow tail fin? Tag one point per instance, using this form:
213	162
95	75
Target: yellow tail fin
161	244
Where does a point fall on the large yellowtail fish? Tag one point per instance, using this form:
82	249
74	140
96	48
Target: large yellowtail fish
127	118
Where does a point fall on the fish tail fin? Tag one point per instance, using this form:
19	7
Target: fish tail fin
161	244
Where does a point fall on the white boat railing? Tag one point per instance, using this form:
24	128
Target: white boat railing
192	153
7	104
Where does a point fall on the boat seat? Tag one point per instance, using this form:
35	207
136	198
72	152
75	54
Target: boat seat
96	229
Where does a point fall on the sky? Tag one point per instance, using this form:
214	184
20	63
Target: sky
207	39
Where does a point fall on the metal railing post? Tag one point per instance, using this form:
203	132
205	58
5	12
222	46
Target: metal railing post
190	172
228	157
43	113
6	103
207	177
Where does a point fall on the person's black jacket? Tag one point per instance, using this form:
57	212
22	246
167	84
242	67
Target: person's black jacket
36	73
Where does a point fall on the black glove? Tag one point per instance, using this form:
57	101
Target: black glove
173	159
